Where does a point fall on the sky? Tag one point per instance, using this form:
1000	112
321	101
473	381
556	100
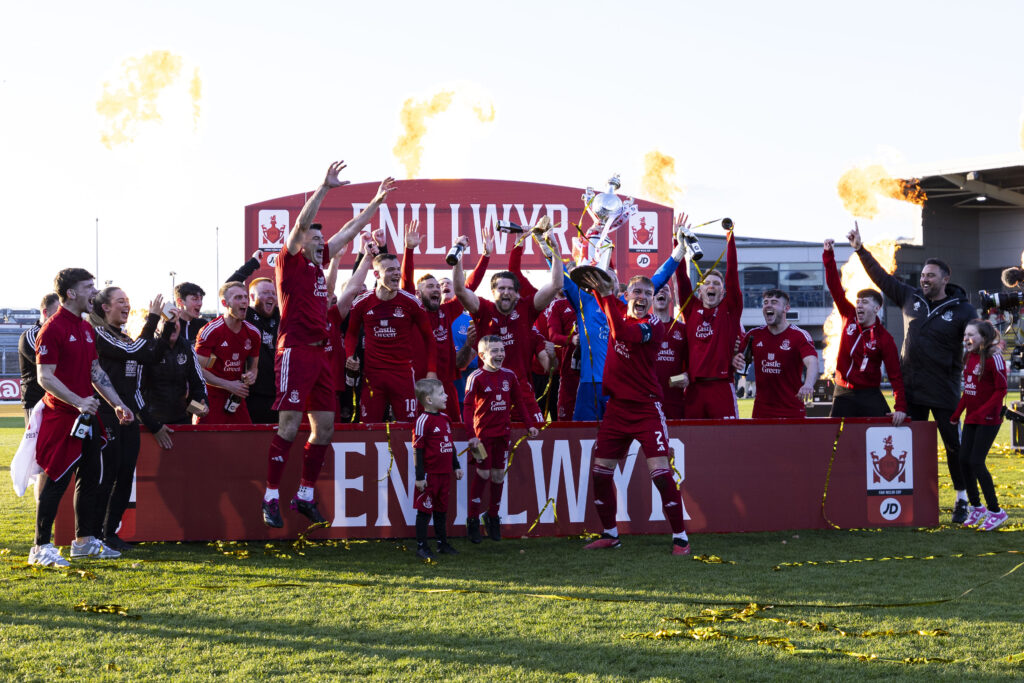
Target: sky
763	106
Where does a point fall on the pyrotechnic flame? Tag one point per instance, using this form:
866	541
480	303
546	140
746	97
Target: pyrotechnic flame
854	279
658	182
195	89
133	99
409	148
484	112
860	187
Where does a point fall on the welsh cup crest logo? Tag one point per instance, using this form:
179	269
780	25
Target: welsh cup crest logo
889	466
643	231
273	227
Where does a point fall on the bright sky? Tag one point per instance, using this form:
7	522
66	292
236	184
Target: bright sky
762	105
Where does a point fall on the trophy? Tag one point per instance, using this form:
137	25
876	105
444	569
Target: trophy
593	251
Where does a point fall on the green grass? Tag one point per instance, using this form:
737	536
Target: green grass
530	609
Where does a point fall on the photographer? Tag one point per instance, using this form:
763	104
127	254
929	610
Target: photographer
935	315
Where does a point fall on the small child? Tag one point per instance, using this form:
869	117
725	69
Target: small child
435	454
982	400
490	393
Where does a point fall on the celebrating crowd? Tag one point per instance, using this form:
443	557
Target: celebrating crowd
432	353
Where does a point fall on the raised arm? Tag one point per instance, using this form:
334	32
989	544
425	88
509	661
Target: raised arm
247	268
297	235
515	266
352	228
546	294
332	274
421	320
465	295
352	287
835	284
733	293
412	240
667	269
892	287
476	276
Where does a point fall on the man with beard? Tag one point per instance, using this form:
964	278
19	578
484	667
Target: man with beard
228	349
864	345
188	297
305	381
634	409
264	315
671	359
712	329
442	310
511	316
935	315
785	362
389	317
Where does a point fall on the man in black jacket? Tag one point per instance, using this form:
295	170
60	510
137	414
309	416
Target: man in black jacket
31	392
262	313
934	317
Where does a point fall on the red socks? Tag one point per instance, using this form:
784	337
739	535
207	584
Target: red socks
276	460
496	489
604	495
671	502
477	484
312	462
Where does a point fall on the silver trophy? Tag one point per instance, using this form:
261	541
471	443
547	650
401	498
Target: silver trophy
593	251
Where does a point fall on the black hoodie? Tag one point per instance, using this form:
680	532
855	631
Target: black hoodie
933	332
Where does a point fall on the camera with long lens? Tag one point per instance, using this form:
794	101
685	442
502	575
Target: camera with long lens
1004	301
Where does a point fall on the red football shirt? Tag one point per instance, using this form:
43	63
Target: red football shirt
302	293
712	332
68	342
514	330
441	323
390	332
778	369
633	345
983	393
229	350
671	361
490	395
433	433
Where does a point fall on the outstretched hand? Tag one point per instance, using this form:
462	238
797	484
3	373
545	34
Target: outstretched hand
854	237
412	234
386	188
488	234
332	179
156	306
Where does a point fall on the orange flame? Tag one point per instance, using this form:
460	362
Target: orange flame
659	176
854	279
409	148
860	187
133	100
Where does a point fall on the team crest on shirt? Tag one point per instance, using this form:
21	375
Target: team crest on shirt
784	346
294	396
504	385
514	315
851	328
248	344
677	335
182	359
399	313
948	316
917	306
88	337
871	345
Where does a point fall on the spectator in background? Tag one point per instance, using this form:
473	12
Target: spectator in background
174	381
123	358
228	353
672	357
264	315
561	322
188	297
31	392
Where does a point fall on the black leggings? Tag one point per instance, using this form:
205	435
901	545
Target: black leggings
858	403
86	472
117	470
950	433
976	440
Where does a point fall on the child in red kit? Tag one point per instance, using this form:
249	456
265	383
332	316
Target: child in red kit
435	459
491	391
982	406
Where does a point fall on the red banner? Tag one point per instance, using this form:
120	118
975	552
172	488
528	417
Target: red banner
449	208
746	475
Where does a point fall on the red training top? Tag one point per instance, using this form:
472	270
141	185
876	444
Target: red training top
388	328
433	433
778	369
633	345
984	392
67	341
489	395
671	361
228	350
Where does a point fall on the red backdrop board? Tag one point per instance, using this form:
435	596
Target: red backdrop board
449	208
747	475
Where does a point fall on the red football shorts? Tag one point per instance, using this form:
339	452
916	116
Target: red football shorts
215	399
711	400
497	453
568	385
626	421
396	388
305	379
434	496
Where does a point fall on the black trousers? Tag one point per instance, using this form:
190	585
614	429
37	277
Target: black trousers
86	472
976	440
261	409
950	434
858	403
117	471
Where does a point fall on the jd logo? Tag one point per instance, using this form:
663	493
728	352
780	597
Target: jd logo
889	509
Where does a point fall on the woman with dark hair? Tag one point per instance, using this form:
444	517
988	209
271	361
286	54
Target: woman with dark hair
122	358
982	401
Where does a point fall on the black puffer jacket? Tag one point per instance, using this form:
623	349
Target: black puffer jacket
172	381
933	332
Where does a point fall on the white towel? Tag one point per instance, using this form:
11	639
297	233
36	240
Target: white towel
24	469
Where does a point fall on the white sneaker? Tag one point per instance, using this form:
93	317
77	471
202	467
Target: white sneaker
95	549
46	556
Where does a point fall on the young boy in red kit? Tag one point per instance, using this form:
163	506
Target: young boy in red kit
435	458
490	392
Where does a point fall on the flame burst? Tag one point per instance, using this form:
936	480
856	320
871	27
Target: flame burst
854	279
134	99
859	189
658	182
484	112
409	148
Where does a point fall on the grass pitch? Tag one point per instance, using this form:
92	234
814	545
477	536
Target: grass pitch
529	609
